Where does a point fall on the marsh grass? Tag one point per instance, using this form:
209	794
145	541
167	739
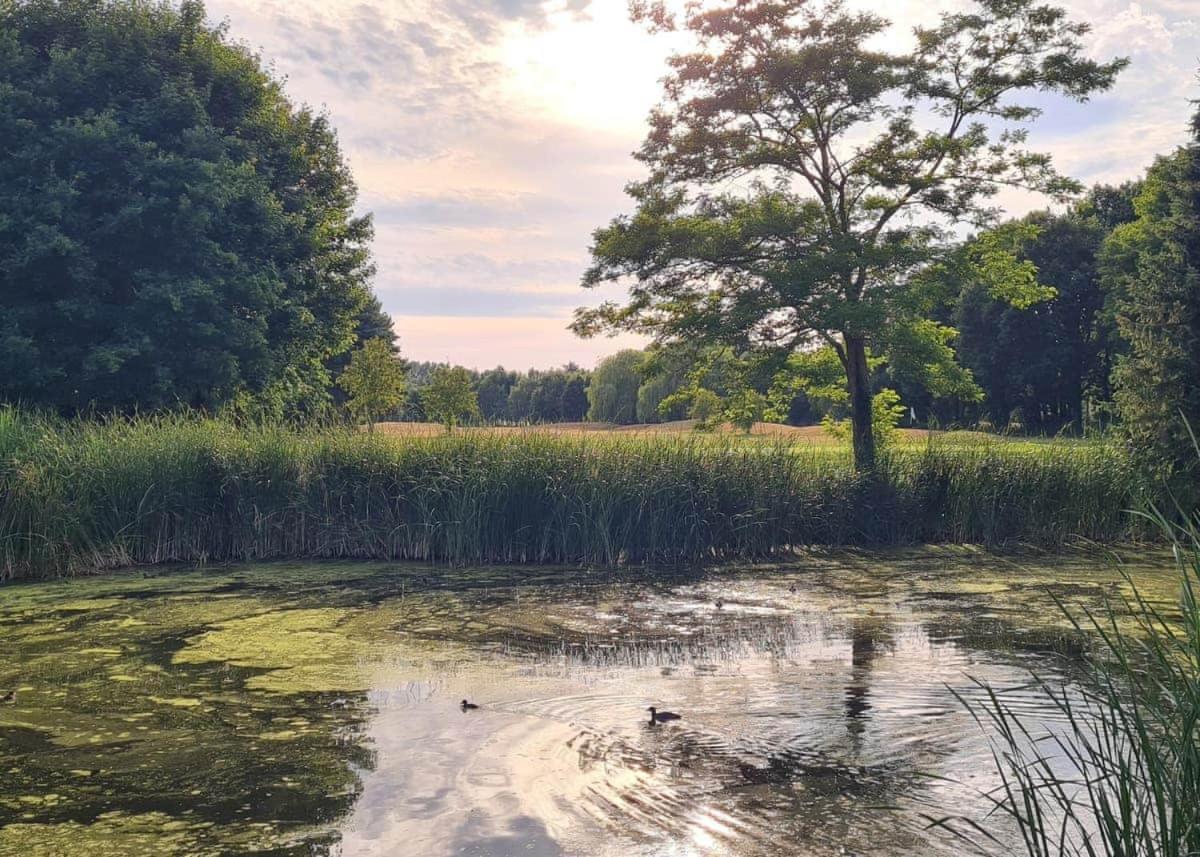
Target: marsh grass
79	496
1120	776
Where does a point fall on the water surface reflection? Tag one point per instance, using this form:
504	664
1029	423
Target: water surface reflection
313	710
816	721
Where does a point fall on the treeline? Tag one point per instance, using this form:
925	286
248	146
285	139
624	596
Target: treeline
506	396
1046	368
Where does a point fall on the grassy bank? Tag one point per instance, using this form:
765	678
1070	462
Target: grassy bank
81	496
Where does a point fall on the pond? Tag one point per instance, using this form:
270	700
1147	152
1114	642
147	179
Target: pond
315	709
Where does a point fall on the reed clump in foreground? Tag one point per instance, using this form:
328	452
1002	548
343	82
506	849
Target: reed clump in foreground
77	496
1117	772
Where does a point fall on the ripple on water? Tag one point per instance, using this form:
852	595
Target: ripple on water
324	716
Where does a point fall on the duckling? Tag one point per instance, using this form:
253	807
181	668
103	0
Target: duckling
8	698
771	775
657	716
468	706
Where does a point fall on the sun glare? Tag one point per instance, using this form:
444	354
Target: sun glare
595	70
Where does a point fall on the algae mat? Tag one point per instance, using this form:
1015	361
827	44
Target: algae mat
283	709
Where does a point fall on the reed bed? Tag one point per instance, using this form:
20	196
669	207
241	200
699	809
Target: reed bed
82	496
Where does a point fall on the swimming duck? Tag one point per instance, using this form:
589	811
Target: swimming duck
468	706
657	716
9	697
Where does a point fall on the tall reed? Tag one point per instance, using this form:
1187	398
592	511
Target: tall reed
1121	777
76	496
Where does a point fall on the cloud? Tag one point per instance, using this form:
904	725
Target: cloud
470	209
491	137
454	301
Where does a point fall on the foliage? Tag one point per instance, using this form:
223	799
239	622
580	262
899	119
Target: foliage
817	375
706	408
1052	359
744	408
174	231
536	396
373	323
494	387
855	159
613	393
720	387
554	396
887	412
1153	267
665	371
450	397
80	496
373	382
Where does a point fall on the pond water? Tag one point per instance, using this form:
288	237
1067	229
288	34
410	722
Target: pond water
314	710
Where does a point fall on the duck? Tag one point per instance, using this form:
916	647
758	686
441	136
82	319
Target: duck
8	698
657	716
468	706
719	604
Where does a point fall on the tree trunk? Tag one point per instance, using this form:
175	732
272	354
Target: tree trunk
859	376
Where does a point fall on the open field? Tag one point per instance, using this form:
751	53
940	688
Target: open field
810	435
83	496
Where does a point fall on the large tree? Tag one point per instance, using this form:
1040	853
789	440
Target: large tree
802	176
172	229
1153	269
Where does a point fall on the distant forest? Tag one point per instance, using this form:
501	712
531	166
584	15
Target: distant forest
1041	370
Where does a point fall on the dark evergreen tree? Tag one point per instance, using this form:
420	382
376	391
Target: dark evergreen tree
1155	274
1039	366
494	387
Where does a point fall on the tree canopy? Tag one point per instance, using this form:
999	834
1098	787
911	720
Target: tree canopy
172	229
373	382
450	396
613	393
1153	265
803	180
1041	366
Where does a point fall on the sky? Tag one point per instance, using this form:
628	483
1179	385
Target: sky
491	137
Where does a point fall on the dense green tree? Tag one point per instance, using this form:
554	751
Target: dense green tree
172	229
575	399
613	392
1154	269
854	160
653	392
493	389
450	397
546	401
552	396
373	382
665	371
373	323
1046	361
